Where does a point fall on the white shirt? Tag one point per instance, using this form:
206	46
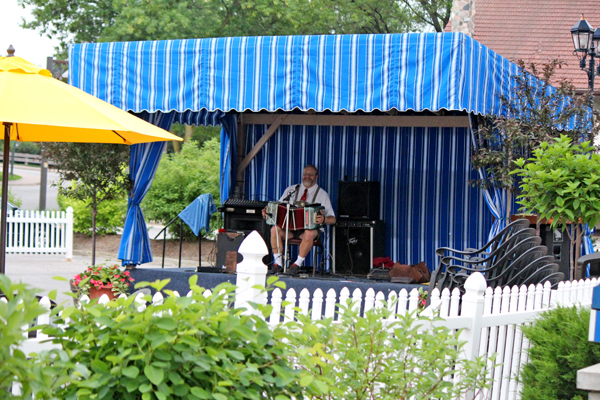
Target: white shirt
322	197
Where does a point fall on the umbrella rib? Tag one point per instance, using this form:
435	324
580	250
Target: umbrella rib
124	140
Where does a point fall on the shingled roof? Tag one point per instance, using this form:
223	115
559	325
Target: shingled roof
535	30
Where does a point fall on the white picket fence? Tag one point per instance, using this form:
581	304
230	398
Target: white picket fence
489	320
40	232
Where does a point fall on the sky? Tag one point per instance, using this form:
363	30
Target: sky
28	43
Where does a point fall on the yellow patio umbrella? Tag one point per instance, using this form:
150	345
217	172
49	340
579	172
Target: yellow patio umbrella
35	107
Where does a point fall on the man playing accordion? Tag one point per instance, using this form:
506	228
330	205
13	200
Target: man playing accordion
307	192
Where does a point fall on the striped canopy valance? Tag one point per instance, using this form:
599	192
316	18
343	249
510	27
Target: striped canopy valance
414	71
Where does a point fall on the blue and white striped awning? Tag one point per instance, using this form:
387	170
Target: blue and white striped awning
414	71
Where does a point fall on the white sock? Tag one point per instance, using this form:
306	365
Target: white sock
299	261
277	259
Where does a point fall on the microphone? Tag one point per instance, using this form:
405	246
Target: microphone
290	193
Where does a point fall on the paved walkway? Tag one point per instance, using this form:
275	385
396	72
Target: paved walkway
38	270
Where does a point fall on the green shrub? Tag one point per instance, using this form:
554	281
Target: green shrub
559	347
180	178
362	358
186	347
21	309
110	217
28	148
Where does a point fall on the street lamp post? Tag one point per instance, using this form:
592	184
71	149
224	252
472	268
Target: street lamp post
587	42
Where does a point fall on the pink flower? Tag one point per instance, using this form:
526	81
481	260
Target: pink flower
126	273
109	285
123	280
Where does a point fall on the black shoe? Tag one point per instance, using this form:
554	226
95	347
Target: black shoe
293	270
275	269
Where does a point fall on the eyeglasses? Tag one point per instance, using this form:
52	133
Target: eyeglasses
308	174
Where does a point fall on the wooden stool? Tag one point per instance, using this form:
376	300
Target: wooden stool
317	250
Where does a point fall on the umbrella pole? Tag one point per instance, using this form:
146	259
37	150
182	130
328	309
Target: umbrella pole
4	209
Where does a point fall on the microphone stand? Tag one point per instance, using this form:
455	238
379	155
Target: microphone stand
286	221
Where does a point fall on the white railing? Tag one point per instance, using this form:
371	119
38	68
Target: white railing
490	320
40	232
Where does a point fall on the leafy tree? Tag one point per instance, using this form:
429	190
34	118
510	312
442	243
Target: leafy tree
110	217
435	13
128	20
199	134
179	179
561	183
98	170
534	114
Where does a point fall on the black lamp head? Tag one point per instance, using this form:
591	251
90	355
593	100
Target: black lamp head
582	34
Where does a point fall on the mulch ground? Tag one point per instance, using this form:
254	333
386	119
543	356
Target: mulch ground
109	244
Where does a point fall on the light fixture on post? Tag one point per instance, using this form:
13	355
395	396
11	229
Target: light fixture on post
586	42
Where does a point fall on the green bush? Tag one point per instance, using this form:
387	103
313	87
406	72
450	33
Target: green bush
180	178
559	347
28	148
187	347
21	309
110	217
367	358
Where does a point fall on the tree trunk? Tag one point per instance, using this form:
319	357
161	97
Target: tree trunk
94	212
577	251
176	146
188	133
508	206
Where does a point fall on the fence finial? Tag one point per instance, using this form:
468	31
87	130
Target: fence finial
251	271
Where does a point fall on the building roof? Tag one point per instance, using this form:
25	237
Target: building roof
535	30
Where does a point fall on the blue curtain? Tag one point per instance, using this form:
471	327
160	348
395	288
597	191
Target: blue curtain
495	198
135	243
227	164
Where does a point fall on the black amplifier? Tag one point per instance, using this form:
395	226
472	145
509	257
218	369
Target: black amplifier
355	244
245	216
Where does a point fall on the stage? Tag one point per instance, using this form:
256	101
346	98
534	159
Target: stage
179	281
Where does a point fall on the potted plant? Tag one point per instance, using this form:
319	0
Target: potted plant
561	184
97	280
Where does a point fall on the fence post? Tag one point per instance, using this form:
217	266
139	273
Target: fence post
69	234
251	272
472	308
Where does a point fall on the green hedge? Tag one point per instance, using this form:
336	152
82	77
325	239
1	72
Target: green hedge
559	347
110	217
180	178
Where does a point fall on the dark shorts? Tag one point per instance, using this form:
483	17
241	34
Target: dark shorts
296	234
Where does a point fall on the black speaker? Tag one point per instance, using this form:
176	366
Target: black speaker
228	242
355	244
557	243
358	200
247	223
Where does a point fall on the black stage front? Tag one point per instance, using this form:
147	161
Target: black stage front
179	281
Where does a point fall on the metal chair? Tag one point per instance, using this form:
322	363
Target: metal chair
528	270
317	250
514	253
490	248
